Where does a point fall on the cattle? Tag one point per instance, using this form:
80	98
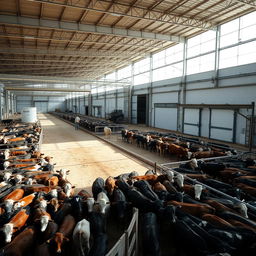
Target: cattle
110	185
99	246
15	224
15	195
97	187
216	221
179	179
53	181
64	210
119	204
90	203
81	238
107	131
77	210
146	189
8	205
21	244
103	202
193	209
68	189
65	230
25	201
84	194
182	153
150	235
40	215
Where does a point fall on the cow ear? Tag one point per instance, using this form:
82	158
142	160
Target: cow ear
73	186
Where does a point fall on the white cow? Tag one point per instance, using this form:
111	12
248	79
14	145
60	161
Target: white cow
81	237
107	131
179	178
103	202
198	190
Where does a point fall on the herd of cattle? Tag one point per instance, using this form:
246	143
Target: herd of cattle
41	215
171	144
86	122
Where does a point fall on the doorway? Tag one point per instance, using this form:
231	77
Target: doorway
141	109
86	110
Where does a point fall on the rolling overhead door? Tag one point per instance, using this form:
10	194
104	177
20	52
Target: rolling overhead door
165	116
192	121
41	106
134	109
221	124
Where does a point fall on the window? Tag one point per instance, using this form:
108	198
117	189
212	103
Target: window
238	55
141	79
111	76
201	44
174	53
142	66
124	72
168	72
201	64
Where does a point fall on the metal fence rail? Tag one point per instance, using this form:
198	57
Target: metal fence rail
127	245
163	168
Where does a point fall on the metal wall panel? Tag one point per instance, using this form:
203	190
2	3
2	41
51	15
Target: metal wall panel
41	106
222	124
191	121
134	109
166	118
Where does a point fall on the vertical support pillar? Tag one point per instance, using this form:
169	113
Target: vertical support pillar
234	126
251	131
90	104
6	104
1	101
182	91
217	58
150	94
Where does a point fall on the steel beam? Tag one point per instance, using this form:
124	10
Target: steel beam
106	40
249	3
76	80
137	12
79	53
71	26
43	89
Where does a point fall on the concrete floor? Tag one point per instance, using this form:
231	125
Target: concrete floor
84	155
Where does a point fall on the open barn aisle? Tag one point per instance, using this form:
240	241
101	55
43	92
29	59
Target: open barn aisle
84	155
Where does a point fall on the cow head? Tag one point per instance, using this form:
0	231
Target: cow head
6	164
44	220
43	204
198	190
90	202
8	231
59	239
193	163
53	193
68	189
170	175
242	208
7	176
7	154
55	203
8	204
189	154
179	178
18	178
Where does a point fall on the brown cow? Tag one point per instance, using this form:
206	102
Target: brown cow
216	221
110	185
22	243
15	224
15	195
248	189
84	194
179	151
26	200
53	181
194	209
64	231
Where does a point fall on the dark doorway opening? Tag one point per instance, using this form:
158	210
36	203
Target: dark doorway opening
141	109
86	110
